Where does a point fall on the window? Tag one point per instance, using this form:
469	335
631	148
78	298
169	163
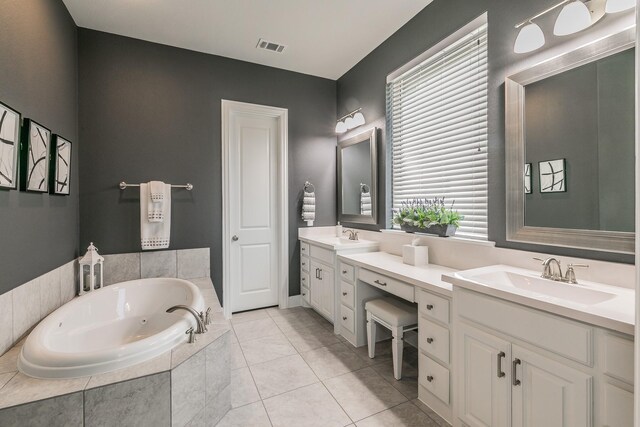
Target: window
437	128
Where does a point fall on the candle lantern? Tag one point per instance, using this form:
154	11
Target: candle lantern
91	270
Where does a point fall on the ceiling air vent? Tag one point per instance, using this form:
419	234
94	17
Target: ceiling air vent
273	47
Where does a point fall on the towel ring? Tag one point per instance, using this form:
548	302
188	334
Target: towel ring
364	188
307	185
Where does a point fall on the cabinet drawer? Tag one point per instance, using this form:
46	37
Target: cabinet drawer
388	284
347	319
304	279
618	357
346	294
434	377
305	294
347	272
304	248
434	306
433	339
304	263
321	253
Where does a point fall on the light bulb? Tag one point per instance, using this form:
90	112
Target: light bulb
341	127
615	6
358	119
529	39
574	17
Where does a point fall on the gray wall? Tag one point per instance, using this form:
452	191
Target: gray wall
152	112
38	66
364	87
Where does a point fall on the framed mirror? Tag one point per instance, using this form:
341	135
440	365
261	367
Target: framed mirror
570	147
357	179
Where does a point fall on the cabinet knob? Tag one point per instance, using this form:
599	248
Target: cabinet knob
344	317
429	306
344	294
304	263
430	378
344	271
429	340
304	295
303	249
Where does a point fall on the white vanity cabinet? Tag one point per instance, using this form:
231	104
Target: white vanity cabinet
517	366
322	288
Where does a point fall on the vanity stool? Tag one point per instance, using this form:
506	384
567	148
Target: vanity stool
397	316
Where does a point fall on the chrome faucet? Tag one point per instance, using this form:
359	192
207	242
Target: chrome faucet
353	235
551	273
201	328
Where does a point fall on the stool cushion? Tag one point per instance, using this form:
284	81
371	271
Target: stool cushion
392	311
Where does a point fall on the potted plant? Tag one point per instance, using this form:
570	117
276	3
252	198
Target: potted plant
430	216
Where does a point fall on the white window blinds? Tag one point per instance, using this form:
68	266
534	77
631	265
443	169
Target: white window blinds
437	126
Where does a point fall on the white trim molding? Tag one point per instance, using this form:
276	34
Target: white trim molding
282	116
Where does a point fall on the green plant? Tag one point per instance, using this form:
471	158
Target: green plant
423	213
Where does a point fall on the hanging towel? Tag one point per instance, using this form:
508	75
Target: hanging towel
309	207
365	202
155	210
155	235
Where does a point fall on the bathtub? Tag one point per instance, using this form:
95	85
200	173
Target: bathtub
112	328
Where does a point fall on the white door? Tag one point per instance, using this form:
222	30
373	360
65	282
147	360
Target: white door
550	394
483	363
253	210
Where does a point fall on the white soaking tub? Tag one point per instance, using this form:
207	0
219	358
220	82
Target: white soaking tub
112	328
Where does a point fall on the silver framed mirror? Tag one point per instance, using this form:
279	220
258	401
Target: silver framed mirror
565	219
357	179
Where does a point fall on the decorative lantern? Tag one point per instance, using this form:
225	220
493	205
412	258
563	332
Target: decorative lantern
91	268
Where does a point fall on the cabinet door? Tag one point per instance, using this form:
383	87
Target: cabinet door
483	378
315	289
548	393
617	406
328	291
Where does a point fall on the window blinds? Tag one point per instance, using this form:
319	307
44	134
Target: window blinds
437	126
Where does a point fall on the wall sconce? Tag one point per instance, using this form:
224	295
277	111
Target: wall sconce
350	121
575	16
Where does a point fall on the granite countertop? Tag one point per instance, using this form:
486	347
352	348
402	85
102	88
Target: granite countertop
427	277
17	388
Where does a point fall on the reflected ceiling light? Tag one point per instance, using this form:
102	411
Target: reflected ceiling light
574	16
615	6
529	38
350	121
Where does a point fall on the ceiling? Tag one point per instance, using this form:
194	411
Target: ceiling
323	37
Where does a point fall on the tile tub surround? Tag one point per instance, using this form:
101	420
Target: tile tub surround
159	391
23	307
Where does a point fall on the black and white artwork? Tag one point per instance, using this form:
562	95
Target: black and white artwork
9	146
35	163
527	178
552	176
60	166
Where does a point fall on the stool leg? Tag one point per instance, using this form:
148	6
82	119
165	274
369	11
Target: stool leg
397	349
371	336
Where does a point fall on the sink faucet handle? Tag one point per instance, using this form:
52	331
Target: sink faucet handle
578	265
539	259
207	317
192	335
570	275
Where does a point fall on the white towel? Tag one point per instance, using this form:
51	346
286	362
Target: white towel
365	203
309	208
155	235
155	209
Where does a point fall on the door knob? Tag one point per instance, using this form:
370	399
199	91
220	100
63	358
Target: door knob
235	238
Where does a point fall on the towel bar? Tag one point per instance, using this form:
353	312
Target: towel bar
187	186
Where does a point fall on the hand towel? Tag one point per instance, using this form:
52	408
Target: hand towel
155	235
365	203
155	210
309	207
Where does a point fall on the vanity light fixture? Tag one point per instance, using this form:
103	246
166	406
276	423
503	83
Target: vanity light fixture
615	6
350	121
529	38
574	16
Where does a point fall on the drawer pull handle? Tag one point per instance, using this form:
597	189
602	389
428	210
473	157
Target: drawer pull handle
429	306
344	317
304	295
501	355
304	263
430	378
429	340
514	372
344	294
379	282
303	249
344	271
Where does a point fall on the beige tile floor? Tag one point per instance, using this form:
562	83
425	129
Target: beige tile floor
289	369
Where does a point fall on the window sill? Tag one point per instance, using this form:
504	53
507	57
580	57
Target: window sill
486	243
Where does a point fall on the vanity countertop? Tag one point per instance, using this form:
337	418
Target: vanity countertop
428	277
337	243
607	306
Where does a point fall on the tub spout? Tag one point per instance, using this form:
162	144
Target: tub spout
201	328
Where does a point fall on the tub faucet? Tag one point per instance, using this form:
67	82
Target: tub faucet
201	328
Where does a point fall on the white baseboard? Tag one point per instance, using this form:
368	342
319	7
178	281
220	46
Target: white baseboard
295	301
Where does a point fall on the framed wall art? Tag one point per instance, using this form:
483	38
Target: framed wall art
552	176
34	164
60	166
9	146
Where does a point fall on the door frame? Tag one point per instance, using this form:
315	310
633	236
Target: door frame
281	114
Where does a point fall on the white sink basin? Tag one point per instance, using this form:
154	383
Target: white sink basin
532	283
